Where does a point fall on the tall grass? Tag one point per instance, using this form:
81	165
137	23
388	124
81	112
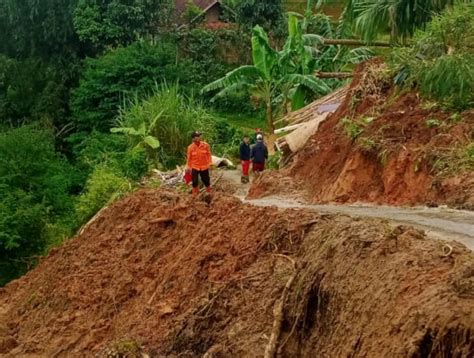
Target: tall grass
169	116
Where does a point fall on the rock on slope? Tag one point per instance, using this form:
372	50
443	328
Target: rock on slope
167	275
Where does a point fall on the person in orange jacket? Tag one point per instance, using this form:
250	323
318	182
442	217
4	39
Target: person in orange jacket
198	162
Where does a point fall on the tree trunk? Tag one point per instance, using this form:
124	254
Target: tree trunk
333	74
271	125
351	42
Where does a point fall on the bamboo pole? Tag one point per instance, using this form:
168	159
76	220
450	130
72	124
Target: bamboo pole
352	42
333	74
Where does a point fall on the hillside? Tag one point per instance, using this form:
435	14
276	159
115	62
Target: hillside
162	274
383	146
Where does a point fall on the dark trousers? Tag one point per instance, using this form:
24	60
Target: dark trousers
258	167
206	179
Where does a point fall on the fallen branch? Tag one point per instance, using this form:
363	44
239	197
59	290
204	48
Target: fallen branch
94	218
271	348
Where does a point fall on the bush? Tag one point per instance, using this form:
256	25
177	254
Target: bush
111	150
34	187
108	80
170	117
439	63
103	187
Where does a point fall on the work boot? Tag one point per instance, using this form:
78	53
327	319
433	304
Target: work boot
195	191
246	179
243	179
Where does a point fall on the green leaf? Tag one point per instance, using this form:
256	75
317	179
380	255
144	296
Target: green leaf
152	142
264	57
298	98
242	74
125	130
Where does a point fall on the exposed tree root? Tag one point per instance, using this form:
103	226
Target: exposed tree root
271	348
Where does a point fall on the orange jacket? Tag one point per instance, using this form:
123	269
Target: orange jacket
199	156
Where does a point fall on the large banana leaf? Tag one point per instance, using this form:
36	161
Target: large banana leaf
243	73
235	88
314	84
264	57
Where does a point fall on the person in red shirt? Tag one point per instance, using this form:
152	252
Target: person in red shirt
199	160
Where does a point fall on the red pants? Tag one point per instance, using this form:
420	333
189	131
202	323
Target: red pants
245	167
258	167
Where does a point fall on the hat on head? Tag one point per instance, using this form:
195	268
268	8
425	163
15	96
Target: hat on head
195	134
259	137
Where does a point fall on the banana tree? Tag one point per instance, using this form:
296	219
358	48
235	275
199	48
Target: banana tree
276	77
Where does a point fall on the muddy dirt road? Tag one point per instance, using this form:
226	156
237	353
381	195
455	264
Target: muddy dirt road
437	222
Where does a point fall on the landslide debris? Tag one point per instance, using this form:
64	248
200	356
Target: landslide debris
163	274
383	147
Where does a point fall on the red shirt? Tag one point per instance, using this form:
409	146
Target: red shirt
199	156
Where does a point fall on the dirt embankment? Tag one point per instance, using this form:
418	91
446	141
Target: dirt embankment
164	274
383	147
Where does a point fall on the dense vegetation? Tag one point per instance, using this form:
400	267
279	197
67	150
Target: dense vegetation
95	93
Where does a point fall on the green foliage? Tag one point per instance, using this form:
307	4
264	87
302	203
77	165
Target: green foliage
274	160
400	17
276	76
206	55
104	186
170	117
432	122
32	89
119	22
268	14
34	187
439	63
111	150
38	28
450	161
352	128
108	80
284	79
192	11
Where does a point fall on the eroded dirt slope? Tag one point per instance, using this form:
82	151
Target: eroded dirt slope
167	275
383	147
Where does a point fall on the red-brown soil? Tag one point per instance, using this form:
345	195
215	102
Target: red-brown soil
161	273
408	154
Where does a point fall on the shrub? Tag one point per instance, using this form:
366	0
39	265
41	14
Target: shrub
439	63
103	186
34	187
111	150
